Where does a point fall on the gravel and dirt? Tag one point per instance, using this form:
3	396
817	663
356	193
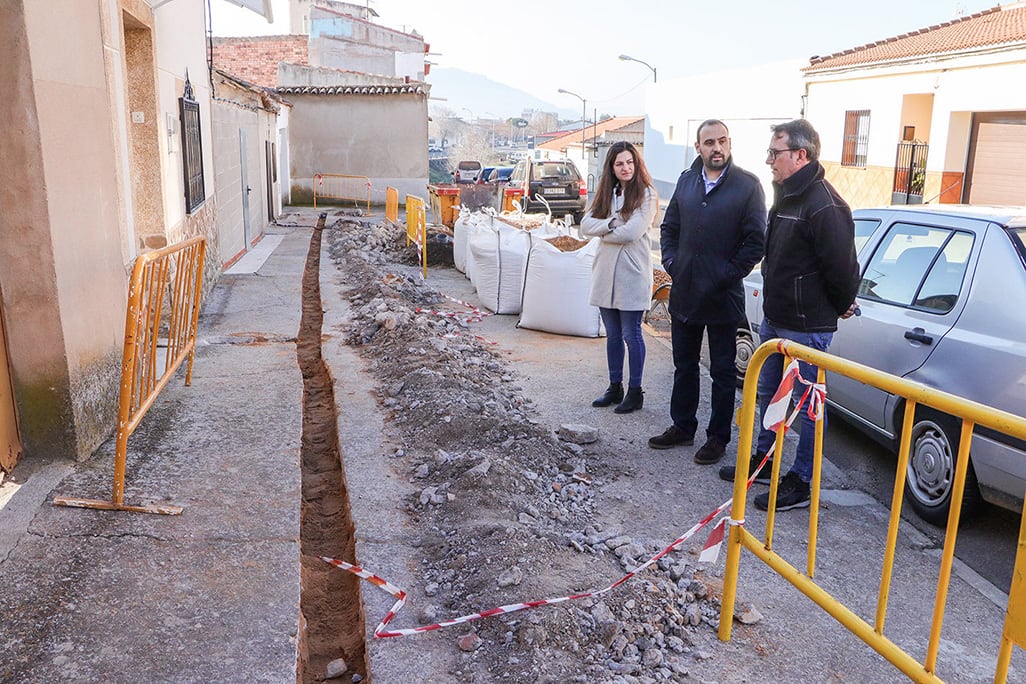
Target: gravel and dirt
480	476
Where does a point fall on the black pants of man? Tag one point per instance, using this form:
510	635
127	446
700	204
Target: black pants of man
687	349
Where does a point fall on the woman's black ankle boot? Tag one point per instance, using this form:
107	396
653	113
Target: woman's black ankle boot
613	395
632	402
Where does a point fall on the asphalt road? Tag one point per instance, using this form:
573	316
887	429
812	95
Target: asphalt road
986	542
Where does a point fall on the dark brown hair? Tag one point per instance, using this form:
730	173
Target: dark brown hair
633	193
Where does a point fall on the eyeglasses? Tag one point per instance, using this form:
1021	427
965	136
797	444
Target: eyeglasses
771	154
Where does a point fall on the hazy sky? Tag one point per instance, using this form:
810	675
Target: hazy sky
541	46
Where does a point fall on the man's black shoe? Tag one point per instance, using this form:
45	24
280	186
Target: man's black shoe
671	437
727	472
792	492
711	452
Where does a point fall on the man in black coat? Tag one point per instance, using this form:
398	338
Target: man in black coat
711	237
810	278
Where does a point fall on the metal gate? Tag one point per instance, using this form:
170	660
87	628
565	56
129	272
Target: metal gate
909	173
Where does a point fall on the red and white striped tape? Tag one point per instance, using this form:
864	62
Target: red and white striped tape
473	309
380	631
476	315
710	551
776	410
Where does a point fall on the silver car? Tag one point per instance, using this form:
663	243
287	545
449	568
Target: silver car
943	300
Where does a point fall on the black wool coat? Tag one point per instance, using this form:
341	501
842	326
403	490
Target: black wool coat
710	242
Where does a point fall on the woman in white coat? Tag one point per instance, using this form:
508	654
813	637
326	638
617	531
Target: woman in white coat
622	211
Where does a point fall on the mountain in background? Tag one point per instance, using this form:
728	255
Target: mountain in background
456	89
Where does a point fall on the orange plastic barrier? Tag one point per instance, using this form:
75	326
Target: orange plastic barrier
340	186
392	204
172	276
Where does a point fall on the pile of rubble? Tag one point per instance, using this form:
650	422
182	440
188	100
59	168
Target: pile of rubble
504	506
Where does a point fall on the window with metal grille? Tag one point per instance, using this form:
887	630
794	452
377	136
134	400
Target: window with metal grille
192	149
856	138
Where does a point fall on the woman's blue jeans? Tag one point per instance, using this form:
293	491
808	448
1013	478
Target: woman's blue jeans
624	327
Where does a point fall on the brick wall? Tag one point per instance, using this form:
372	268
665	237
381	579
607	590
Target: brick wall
255	59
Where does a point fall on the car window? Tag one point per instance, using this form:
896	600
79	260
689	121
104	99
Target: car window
559	171
864	229
1019	238
918	266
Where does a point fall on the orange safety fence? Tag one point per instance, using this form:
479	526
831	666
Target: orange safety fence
341	187
416	227
163	298
392	204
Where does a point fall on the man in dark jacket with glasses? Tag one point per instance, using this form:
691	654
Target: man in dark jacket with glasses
810	278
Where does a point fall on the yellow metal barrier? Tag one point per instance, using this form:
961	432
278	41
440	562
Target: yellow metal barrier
392	204
172	276
416	227
339	186
1015	620
970	412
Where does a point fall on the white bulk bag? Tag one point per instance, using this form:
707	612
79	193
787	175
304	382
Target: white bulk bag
477	223
460	230
496	261
498	266
557	286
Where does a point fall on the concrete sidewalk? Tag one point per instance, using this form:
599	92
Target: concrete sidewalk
208	596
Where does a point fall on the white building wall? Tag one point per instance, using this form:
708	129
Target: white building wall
986	82
181	48
747	100
284	195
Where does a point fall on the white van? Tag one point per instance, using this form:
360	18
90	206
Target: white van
467	172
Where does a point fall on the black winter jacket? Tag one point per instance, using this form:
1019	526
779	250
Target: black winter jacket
710	242
811	273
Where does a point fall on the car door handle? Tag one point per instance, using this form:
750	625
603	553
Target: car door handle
918	336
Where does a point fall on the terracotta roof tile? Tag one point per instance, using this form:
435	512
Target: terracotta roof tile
992	27
353	90
591	131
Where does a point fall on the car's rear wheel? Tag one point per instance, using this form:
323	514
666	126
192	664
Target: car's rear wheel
930	477
745	345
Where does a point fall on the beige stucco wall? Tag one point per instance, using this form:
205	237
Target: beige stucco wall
61	263
87	188
383	137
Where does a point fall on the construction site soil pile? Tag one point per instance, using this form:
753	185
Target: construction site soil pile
504	508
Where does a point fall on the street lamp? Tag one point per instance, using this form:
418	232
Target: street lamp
625	58
491	125
584	115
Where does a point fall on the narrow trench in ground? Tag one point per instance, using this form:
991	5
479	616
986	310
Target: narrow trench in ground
331	620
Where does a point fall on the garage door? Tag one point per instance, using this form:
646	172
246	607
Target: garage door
997	165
